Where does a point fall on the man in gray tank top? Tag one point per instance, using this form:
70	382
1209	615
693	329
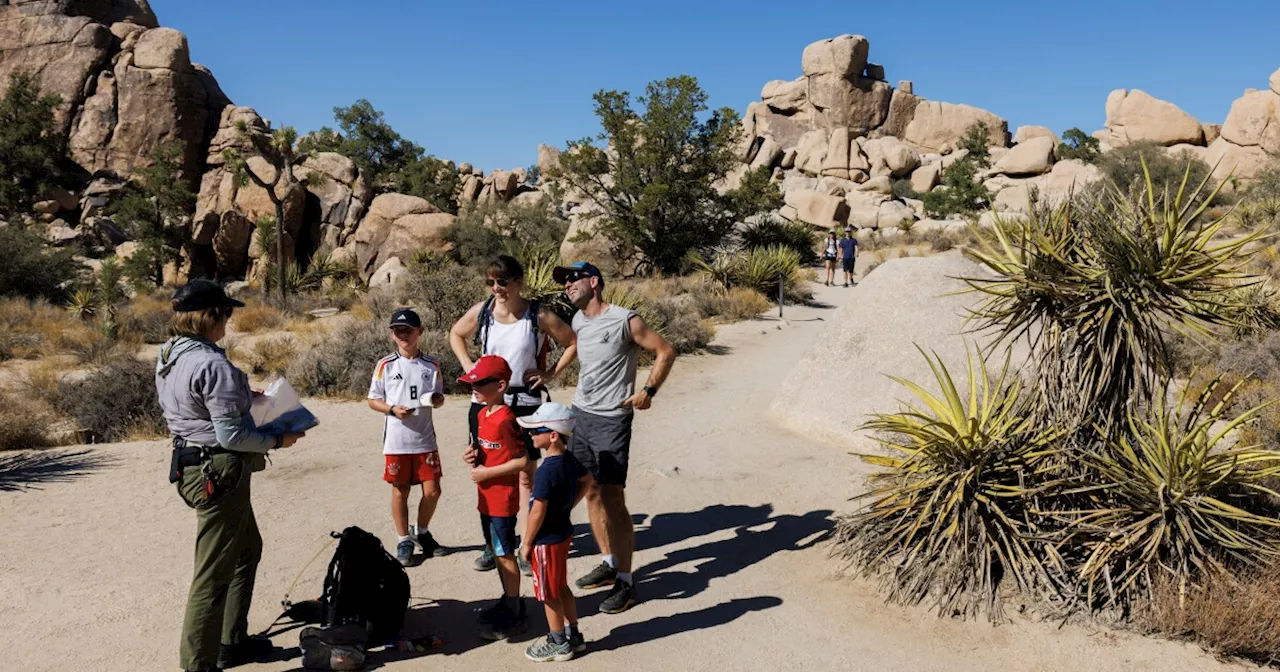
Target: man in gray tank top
609	340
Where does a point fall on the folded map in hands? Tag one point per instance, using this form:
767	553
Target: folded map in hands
279	410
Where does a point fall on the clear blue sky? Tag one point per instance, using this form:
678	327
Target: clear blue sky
486	82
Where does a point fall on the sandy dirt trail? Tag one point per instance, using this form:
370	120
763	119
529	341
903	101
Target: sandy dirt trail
734	571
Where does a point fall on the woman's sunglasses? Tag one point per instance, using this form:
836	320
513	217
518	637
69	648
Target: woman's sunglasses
501	282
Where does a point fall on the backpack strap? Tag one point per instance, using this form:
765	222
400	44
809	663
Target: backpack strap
483	320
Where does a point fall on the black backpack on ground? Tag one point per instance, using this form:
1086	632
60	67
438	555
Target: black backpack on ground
365	586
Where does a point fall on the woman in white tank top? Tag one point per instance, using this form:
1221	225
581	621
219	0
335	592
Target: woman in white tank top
505	326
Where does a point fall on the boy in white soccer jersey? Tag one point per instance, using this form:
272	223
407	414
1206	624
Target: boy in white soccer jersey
406	386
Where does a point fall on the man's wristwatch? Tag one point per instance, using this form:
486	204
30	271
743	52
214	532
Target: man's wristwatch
651	391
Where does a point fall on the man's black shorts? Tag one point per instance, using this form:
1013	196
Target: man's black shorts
602	444
473	422
848	262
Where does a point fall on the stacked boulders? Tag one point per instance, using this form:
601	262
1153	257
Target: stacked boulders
1249	139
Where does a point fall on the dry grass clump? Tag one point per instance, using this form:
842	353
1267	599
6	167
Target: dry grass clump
1232	615
271	355
146	318
115	402
31	329
256	317
23	422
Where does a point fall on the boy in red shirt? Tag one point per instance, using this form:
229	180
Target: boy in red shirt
496	461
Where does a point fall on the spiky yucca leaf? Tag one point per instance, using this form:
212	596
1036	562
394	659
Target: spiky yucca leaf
949	520
1171	496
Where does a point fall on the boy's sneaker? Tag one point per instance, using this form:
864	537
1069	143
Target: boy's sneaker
248	650
620	599
546	650
603	575
485	562
525	568
486	617
404	552
430	547
578	642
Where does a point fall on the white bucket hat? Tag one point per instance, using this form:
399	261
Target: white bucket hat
554	416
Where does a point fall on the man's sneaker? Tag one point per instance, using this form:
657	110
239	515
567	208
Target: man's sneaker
248	650
603	575
546	650
620	599
430	547
485	562
404	552
578	642
506	623
525	567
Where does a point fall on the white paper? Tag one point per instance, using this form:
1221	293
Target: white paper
279	410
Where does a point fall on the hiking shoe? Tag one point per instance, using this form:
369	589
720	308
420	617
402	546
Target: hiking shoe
620	599
578	642
486	617
525	567
430	547
599	577
506	623
404	552
248	650
546	650
485	562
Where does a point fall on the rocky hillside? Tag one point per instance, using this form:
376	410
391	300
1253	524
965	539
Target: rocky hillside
836	138
128	85
839	135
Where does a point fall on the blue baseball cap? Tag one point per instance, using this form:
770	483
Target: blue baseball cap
576	270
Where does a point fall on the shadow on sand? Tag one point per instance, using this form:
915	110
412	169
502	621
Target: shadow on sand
29	470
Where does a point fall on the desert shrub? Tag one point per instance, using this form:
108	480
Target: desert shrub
147	318
777	232
949	515
115	402
759	269
1123	166
681	323
23	422
30	329
255	317
441	293
961	192
902	189
342	365
939	240
1076	144
731	305
1231	614
1266	183
487	230
31	268
271	355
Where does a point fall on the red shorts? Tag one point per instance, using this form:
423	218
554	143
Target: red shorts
550	570
412	469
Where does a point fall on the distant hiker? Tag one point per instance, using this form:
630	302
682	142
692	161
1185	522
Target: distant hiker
496	460
609	341
830	251
848	254
557	488
216	448
406	386
516	329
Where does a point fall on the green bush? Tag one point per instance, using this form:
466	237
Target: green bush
774	231
759	269
960	192
441	293
903	189
1123	166
1077	145
115	402
31	268
341	365
487	230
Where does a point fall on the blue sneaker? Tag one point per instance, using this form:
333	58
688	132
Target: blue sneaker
404	552
485	561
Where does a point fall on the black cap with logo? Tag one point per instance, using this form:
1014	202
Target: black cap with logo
405	318
202	294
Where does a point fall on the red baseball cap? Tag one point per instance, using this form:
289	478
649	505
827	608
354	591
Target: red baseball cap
489	366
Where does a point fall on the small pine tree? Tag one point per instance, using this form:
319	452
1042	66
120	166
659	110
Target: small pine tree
1077	145
30	147
155	211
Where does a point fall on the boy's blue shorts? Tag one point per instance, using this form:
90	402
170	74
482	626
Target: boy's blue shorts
500	534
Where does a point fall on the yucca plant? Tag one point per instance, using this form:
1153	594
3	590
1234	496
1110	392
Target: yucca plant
1270	208
1172	496
1095	285
84	303
757	268
950	517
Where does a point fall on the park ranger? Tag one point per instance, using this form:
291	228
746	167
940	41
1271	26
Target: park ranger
216	448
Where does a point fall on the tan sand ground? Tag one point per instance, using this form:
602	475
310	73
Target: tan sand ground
733	570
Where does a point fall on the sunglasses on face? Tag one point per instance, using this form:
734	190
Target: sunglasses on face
540	430
574	276
501	282
484	382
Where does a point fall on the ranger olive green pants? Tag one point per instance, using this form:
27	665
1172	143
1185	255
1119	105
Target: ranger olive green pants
228	548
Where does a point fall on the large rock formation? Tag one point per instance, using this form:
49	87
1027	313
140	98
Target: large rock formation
1250	136
1134	116
903	303
396	226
